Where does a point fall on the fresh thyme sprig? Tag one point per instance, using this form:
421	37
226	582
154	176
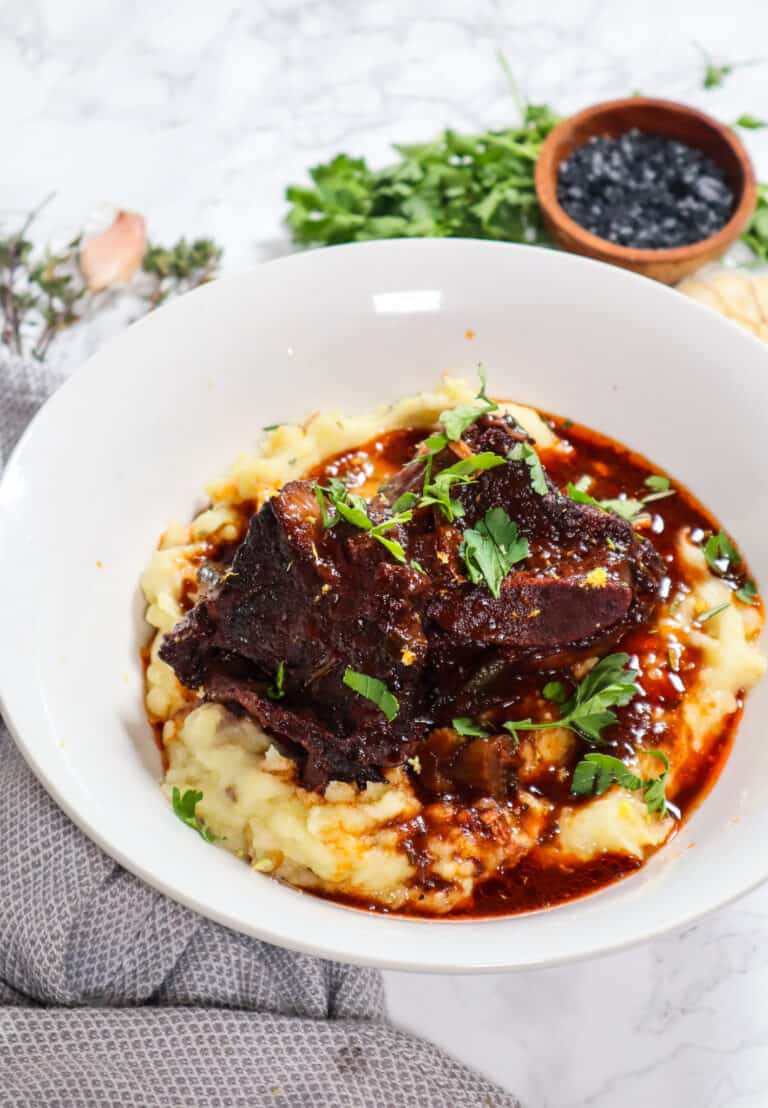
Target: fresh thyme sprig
43	291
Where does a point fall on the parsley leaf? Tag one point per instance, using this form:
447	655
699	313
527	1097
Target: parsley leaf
277	690
620	506
184	807
438	491
457	420
374	690
750	122
555	691
747	594
608	685
656	483
720	553
524	452
354	510
654	790
491	549
714	75
464	726
712	612
595	774
661	487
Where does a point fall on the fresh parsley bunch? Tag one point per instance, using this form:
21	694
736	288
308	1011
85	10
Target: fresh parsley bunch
469	185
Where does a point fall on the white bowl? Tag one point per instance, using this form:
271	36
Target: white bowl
130	440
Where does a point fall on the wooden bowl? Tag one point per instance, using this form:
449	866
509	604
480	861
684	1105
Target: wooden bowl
661	117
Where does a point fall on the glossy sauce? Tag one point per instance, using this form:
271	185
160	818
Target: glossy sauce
614	470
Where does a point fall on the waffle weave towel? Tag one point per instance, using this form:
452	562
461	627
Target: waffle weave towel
110	994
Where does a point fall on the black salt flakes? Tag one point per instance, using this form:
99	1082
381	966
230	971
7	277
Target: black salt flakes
644	191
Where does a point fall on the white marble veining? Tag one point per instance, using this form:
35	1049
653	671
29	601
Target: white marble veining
198	113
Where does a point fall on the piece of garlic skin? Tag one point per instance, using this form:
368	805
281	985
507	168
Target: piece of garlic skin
738	295
114	256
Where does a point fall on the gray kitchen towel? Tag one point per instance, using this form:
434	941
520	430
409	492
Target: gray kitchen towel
110	994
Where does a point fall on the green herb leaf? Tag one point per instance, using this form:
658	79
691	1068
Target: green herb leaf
277	690
609	684
457	420
491	549
405	501
657	483
464	726
327	518
374	690
555	691
747	594
712	612
720	553
714	75
756	234
437	492
354	510
524	452
623	506
750	122
272	426
595	774
659	496
184	807
620	506
654	790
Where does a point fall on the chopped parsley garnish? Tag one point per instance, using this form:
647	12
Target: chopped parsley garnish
464	726
750	122
277	690
608	685
524	452
712	612
714	75
555	691
455	421
657	483
720	553
404	501
491	549
660	487
747	594
595	774
353	510
620	506
374	690
272	426
437	492
184	807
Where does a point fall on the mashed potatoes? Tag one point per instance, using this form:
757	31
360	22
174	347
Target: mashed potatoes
381	843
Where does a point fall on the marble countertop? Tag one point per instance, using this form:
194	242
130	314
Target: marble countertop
197	113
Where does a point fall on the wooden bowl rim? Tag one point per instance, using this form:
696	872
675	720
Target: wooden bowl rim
546	187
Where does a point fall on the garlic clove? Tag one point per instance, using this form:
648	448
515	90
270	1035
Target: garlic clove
114	256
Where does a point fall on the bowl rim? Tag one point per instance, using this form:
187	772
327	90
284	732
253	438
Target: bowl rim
319	943
545	175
